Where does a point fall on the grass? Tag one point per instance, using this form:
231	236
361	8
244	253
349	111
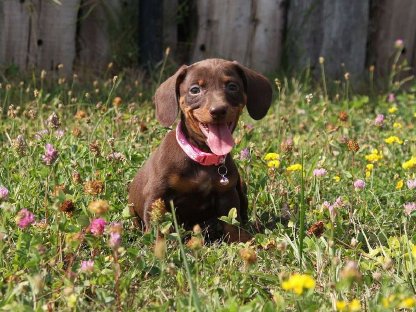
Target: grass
360	257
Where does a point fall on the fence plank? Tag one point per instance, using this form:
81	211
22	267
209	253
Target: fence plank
267	42
394	20
39	34
170	29
93	38
345	41
336	30
304	33
55	39
248	31
150	31
14	32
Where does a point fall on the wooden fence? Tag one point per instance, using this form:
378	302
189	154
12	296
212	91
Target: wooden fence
264	34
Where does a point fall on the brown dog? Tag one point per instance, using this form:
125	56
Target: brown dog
192	166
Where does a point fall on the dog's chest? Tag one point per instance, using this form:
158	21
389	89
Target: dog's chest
198	194
203	181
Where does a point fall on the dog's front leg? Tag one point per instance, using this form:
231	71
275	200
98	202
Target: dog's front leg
155	200
225	202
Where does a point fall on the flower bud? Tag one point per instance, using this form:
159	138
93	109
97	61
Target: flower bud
160	248
99	207
248	255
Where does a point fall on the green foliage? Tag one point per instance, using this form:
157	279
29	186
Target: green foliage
231	218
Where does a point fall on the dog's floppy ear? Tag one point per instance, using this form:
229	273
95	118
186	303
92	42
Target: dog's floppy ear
259	92
166	98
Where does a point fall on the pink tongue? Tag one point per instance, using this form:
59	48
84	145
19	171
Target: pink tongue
220	139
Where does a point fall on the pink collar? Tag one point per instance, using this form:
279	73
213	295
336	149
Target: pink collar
193	152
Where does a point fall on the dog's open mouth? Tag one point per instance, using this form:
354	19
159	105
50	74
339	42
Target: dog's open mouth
219	137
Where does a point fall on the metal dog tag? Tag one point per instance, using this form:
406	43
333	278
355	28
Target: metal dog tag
222	171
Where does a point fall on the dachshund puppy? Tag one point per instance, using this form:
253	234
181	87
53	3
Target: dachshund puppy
193	167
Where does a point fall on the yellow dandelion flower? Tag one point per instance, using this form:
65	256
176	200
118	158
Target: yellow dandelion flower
397	125
388	301
273	164
375	156
337	178
295	167
407	303
271	156
399	184
368	169
297	283
414	114
393	139
393	109
411	163
354	305
414	251
341	305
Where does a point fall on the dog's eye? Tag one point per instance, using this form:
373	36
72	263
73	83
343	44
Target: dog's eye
232	86
195	90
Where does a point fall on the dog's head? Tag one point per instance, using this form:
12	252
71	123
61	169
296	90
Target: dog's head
211	95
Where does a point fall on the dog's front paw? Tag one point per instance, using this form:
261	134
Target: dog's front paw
235	235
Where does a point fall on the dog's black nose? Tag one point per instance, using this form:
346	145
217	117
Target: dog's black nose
218	111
